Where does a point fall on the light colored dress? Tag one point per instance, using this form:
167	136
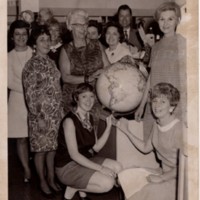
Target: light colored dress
168	64
41	81
17	111
118	53
166	140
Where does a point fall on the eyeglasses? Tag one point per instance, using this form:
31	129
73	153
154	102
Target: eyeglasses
19	34
81	25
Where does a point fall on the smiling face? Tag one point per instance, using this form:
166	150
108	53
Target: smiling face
43	45
20	38
55	32
79	29
161	107
168	22
112	36
85	101
125	18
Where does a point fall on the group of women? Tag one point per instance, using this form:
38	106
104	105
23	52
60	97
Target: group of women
60	125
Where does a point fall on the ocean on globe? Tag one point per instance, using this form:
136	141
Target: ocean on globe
120	87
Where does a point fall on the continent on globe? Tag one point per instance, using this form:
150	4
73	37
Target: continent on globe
120	87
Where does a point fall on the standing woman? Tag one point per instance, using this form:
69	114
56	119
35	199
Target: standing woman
114	38
17	111
56	41
41	80
82	59
168	61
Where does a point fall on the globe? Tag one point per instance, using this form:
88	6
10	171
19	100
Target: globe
120	87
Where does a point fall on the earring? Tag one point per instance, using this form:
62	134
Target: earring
171	109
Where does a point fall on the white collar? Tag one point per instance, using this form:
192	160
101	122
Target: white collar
114	50
168	126
56	46
127	29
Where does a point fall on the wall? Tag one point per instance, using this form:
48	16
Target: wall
94	7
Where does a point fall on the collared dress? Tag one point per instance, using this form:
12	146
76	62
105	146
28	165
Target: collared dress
166	140
118	53
43	95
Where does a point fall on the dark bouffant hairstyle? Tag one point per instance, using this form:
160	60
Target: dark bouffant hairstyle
118	27
82	87
36	32
95	24
18	24
167	90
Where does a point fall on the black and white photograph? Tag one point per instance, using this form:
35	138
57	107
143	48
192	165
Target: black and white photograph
99	100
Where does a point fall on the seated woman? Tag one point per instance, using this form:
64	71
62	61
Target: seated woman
77	164
167	138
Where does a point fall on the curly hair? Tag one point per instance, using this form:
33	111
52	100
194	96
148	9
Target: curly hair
36	32
118	27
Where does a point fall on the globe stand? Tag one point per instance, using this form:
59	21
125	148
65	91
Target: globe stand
105	112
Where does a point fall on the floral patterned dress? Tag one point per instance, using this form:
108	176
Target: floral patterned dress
43	95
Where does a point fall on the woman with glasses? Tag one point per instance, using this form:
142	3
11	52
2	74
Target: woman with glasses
82	59
17	111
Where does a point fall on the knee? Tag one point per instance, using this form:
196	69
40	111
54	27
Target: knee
107	184
118	167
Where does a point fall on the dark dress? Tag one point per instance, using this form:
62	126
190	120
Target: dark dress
68	171
83	60
41	81
54	53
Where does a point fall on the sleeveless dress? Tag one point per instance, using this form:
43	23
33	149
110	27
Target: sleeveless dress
83	60
166	140
41	81
68	171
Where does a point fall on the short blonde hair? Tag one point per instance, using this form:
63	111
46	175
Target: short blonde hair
167	6
75	15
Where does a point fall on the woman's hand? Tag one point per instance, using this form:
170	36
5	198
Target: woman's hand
110	120
138	113
94	76
154	178
122	124
108	172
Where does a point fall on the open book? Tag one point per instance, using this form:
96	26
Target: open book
133	180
